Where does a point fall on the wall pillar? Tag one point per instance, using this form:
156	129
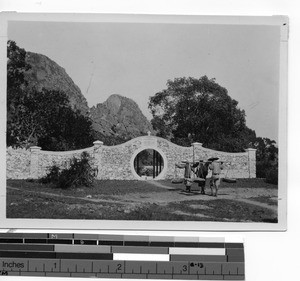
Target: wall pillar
197	148
251	162
97	156
34	162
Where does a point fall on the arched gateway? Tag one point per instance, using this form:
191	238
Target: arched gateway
148	164
142	158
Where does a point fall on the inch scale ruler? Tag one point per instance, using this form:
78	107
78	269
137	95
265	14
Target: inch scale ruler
120	256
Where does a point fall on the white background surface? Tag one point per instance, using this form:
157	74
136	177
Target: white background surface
269	255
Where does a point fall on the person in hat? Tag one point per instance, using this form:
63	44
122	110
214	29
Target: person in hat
216	168
186	165
201	171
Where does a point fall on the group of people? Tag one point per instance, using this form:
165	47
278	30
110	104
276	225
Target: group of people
200	169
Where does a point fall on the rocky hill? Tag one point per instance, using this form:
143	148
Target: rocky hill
45	73
116	120
120	117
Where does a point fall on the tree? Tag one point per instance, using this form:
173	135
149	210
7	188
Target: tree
266	149
16	66
29	114
45	118
16	83
266	157
200	110
80	134
67	130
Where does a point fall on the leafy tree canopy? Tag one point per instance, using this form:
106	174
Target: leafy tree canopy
16	66
266	157
45	118
200	110
266	149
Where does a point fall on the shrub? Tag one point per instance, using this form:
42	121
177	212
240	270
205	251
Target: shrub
52	176
80	173
272	175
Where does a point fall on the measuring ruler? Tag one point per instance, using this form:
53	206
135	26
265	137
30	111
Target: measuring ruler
120	256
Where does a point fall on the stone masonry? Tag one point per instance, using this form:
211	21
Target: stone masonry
117	162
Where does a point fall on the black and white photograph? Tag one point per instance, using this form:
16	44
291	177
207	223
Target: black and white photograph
146	119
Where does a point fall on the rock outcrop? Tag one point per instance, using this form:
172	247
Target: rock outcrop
118	118
45	73
121	117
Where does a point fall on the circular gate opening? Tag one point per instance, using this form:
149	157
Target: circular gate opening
148	164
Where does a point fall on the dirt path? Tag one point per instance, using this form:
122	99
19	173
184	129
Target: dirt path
158	184
168	197
177	195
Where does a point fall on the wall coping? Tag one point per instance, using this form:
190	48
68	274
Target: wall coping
96	143
35	148
250	149
47	152
176	145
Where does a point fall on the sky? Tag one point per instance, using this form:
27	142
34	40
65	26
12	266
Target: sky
136	60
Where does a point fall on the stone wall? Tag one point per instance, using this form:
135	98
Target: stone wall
17	163
117	162
62	159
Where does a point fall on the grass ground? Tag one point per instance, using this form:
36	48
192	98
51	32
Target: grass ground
100	187
141	200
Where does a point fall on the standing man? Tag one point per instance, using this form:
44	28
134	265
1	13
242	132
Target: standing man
216	168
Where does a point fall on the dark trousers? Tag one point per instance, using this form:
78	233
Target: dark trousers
202	187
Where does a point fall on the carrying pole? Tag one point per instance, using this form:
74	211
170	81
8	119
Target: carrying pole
193	154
